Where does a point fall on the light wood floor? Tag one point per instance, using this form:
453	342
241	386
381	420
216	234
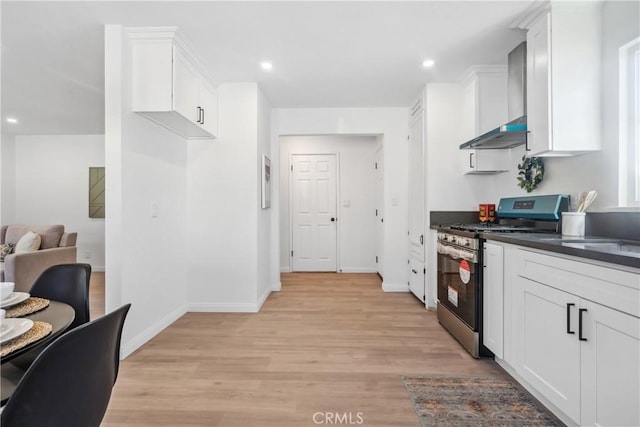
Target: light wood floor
325	343
96	295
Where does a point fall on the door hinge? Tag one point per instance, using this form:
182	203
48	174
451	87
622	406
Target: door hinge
408	262
291	168
376	165
291	253
424	271
376	259
376	212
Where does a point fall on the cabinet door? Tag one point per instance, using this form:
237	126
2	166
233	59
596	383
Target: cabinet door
209	104
492	298
186	85
549	356
610	367
416	279
538	86
485	161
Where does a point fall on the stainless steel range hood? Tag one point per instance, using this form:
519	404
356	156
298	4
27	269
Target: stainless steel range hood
514	132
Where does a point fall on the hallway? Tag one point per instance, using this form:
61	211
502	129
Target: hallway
330	343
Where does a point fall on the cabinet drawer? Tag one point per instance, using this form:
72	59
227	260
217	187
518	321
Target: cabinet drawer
611	287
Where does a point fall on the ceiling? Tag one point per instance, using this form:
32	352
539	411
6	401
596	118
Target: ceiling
324	54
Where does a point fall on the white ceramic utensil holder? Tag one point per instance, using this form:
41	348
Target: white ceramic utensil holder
573	224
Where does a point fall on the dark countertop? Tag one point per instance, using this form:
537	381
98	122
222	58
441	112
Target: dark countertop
597	248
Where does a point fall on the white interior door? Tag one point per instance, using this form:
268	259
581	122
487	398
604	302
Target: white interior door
380	209
313	212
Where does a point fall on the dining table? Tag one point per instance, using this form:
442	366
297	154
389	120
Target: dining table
60	316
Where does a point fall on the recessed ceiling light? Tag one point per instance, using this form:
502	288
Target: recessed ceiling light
428	63
266	65
12	120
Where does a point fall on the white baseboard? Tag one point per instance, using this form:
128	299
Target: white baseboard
139	340
359	270
276	287
395	287
285	270
262	299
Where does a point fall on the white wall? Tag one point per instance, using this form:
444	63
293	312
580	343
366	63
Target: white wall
223	200
145	163
52	187
392	123
7	179
264	277
357	246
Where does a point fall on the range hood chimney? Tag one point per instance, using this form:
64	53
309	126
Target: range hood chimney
514	132
517	83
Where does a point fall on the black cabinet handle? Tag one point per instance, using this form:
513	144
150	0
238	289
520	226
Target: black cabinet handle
580	311
333	219
470	160
569	305
199	115
526	141
422	239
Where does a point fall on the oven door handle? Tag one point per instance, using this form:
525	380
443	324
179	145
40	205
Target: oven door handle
456	253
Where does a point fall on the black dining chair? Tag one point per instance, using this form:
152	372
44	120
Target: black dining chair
70	382
68	283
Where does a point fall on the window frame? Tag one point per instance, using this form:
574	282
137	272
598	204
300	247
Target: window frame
629	124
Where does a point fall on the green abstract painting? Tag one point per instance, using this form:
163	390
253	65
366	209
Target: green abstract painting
96	192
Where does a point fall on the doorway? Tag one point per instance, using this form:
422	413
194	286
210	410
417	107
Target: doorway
307	234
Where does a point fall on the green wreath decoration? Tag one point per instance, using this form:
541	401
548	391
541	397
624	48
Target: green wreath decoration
531	172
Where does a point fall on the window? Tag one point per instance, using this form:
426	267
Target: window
629	157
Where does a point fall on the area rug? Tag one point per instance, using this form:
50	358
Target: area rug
475	401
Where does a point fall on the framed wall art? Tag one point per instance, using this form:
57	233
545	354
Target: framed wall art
266	182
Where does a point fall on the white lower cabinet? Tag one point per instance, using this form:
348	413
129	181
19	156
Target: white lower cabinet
610	363
492	298
580	355
549	359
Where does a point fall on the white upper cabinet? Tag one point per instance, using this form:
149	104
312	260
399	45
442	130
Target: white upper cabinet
169	84
485	108
564	78
485	99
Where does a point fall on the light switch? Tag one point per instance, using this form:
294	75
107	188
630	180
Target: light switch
154	209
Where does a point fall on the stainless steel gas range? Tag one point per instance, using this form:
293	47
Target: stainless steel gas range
460	262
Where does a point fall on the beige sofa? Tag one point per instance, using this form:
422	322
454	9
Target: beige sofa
57	247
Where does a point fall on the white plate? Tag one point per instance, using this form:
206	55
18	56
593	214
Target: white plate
14	298
20	326
5	328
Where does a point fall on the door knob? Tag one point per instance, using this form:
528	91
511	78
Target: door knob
332	219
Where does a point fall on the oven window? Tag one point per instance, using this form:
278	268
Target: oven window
458	288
